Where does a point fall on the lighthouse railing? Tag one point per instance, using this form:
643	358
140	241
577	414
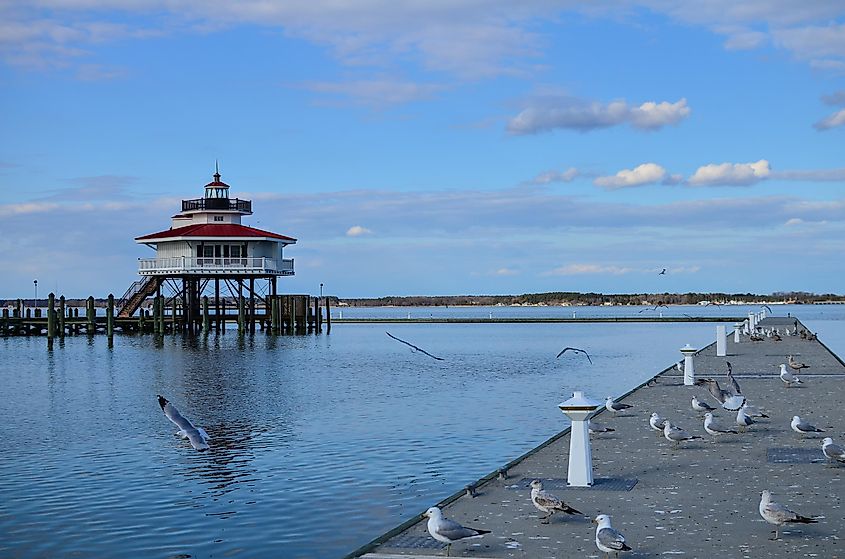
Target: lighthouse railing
249	264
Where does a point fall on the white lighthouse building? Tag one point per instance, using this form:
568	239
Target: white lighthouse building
207	247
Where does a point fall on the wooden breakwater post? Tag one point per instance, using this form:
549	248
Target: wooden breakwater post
328	316
205	321
142	323
51	319
60	314
18	309
110	320
5	321
241	312
161	323
91	327
274	314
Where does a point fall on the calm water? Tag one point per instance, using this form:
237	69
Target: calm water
320	443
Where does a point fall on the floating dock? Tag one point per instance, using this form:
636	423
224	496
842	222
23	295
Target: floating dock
698	500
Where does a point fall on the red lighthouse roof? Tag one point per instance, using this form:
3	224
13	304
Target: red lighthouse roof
214	230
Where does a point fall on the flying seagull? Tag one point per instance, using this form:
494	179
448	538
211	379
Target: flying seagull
548	503
777	514
733	385
663	273
768	308
730	402
608	539
196	435
448	531
412	346
575	349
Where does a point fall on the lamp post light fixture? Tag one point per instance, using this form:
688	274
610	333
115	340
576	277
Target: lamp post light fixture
321	291
579	408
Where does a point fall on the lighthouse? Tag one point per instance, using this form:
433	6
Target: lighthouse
208	249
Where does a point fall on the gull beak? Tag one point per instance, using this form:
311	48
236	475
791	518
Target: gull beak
594	521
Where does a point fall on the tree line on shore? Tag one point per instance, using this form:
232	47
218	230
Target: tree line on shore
558	298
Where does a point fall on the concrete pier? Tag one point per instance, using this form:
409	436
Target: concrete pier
698	500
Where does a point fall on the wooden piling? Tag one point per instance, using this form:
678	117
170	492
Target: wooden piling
141	320
61	315
328	316
110	319
205	322
89	315
241	317
51	319
222	315
18	309
252	305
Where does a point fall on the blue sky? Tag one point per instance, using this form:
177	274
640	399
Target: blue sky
432	147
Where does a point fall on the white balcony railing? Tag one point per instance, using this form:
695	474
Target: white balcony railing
213	265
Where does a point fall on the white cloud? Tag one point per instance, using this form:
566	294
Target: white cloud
794	221
651	116
646	173
831	121
581	269
376	92
815	175
730	174
357	231
548	114
835	98
505	272
556	176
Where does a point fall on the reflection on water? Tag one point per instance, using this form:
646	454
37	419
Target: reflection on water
319	443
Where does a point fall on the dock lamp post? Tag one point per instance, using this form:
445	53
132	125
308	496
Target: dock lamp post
578	409
35	303
689	369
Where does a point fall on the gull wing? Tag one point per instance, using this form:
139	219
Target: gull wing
611	538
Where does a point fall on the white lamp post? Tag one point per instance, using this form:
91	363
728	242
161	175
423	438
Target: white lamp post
689	369
737	328
578	409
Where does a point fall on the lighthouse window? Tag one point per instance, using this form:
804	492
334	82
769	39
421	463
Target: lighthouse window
235	251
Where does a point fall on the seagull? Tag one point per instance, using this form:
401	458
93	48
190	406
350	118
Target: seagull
448	531
608	539
777	514
412	346
733	385
751	411
787	377
802	427
743	419
196	435
615	407
712	303
575	349
656	422
679	366
712	428
676	434
768	308
730	402
662	273
700	406
833	451
597	428
548	503
795	365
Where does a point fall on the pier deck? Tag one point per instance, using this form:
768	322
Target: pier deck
698	500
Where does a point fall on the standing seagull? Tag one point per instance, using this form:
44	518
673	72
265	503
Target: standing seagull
656	422
743	419
448	531
787	377
833	451
700	406
548	503
802	427
777	514
795	365
615	407
575	349
676	434
196	435
712	428
608	539
595	427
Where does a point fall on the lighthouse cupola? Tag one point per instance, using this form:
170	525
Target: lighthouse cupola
217	190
